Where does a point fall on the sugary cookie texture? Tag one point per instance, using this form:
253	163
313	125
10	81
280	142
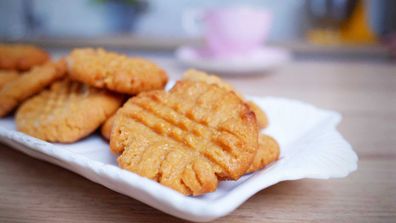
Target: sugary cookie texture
187	138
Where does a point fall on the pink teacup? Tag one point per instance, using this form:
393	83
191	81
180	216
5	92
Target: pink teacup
230	31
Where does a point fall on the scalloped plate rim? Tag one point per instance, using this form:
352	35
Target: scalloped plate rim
170	201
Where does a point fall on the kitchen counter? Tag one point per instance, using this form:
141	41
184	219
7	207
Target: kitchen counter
363	92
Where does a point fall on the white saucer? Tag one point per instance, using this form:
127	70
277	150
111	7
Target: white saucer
259	61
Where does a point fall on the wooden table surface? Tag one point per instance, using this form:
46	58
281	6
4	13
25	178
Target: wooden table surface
364	92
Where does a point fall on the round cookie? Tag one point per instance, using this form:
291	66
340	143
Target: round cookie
267	152
187	138
29	84
116	72
21	56
66	112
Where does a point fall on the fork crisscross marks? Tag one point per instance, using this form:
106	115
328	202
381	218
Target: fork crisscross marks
162	159
154	128
222	148
66	112
218	110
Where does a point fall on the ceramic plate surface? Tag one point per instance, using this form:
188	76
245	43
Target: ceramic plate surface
311	147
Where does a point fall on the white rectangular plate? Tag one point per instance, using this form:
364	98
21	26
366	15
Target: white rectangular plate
311	147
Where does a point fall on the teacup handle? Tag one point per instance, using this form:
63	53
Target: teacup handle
192	21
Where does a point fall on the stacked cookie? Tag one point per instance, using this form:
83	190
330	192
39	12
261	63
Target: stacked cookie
188	138
67	100
25	70
191	137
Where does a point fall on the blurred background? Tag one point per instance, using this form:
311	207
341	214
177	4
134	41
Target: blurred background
368	27
88	18
335	54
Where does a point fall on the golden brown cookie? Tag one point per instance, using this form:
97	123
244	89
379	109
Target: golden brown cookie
116	72
267	152
186	138
21	56
7	76
66	112
105	130
29	84
196	75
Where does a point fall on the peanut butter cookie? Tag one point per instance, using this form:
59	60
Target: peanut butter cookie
29	84
187	138
66	112
116	72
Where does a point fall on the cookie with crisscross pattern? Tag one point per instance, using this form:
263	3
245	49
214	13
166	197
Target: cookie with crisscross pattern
66	112
187	138
116	72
